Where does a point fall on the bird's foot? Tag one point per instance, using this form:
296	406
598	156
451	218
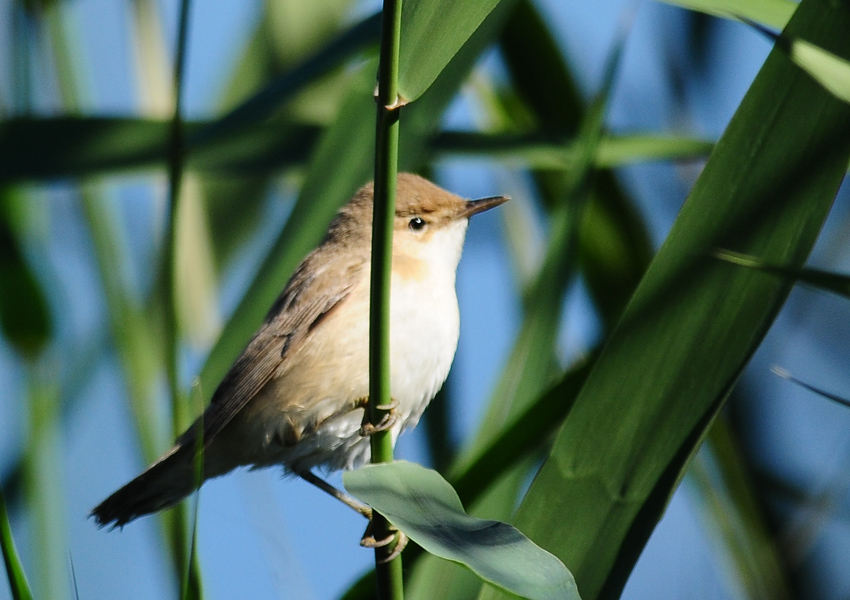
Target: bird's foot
368	541
387	421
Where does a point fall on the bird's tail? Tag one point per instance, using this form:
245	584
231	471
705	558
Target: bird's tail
163	484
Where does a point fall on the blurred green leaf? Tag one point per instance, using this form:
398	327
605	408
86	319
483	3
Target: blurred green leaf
334	173
527	433
264	103
829	70
84	146
135	336
292	71
693	322
547	151
531	365
614	249
424	506
614	246
733	512
24	315
14	570
89	145
774	13
539	71
42	477
195	289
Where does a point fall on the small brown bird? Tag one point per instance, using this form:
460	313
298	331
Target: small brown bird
295	395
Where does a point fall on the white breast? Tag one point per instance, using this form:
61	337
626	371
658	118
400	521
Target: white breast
425	324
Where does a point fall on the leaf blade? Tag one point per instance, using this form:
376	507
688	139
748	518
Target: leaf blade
432	32
425	507
692	325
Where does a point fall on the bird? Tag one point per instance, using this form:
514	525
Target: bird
295	396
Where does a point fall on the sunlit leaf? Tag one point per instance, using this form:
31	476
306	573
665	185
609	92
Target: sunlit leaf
831	71
774	13
425	507
543	151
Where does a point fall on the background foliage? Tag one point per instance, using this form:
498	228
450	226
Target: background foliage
556	380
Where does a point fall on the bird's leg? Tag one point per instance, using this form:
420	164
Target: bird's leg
389	419
368	540
350	502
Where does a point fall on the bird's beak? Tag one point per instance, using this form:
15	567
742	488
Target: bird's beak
473	207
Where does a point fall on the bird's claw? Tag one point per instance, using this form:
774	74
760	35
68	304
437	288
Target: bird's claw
368	541
389	419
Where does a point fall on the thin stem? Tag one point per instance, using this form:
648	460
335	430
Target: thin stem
175	177
14	570
389	575
185	556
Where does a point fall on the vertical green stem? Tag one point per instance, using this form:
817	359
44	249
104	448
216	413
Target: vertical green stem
43	478
191	585
389	575
175	176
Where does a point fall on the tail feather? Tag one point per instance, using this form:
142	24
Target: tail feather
161	485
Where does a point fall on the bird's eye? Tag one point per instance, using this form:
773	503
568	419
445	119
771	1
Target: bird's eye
417	224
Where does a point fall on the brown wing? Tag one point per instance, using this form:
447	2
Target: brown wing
317	287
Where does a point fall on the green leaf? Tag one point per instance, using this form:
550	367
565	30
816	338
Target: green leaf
14	570
614	246
42	477
432	32
91	145
824	280
693	323
831	71
774	13
546	151
525	434
425	507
